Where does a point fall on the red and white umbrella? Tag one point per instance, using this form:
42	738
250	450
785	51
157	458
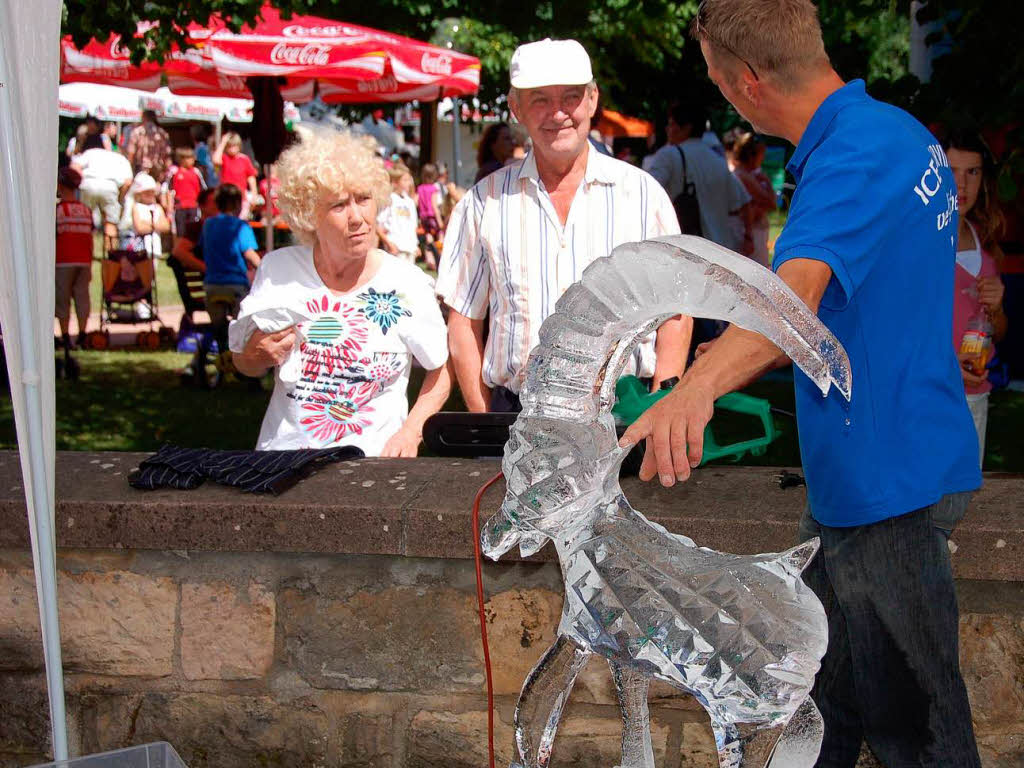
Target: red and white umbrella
107	63
351	63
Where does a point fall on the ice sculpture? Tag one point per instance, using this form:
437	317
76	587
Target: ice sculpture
743	634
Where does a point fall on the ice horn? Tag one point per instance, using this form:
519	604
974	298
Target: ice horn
571	374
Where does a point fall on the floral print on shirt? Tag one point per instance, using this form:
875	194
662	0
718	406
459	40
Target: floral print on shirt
384	308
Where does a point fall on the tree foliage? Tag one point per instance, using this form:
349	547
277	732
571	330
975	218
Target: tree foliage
642	55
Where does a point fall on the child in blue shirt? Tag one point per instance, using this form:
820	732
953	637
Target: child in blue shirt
229	249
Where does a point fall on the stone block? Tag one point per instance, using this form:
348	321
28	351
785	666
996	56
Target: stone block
521	626
366	741
112	623
698	747
213	731
1002	750
664	695
20	643
992	664
595	685
226	633
449	740
398	638
459	740
24	720
590	740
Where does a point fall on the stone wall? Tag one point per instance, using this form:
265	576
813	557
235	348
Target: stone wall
294	660
279	658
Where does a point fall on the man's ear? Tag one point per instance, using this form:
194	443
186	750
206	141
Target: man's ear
513	105
596	97
750	87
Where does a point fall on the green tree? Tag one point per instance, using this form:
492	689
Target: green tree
642	54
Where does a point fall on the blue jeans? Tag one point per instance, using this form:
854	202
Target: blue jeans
891	675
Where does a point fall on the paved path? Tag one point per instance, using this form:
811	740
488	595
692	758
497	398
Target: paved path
123	335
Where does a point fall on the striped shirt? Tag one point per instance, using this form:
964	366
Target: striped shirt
506	250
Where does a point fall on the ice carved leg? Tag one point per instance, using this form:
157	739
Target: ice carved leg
801	740
631	685
543	698
794	744
729	744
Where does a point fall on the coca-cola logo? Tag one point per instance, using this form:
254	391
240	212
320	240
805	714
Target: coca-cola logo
330	30
118	51
310	55
436	63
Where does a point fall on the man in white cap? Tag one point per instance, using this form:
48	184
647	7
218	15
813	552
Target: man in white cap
525	233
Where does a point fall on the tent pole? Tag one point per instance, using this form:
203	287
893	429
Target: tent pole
456	154
30	436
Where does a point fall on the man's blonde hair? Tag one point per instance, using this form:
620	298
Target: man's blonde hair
780	39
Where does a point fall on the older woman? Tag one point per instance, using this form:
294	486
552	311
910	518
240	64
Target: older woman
339	318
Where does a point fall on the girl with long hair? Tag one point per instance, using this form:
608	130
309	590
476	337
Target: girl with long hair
978	289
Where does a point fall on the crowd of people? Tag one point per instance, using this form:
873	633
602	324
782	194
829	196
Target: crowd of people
149	196
340	317
495	283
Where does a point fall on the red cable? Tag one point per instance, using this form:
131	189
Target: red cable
483	618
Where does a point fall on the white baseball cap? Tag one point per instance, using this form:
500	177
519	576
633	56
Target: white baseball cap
550	62
144	183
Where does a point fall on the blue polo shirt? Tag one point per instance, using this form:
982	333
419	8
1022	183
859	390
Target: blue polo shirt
224	241
876	201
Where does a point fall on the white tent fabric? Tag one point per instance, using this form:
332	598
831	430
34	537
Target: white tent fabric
209	108
113	102
29	58
107	102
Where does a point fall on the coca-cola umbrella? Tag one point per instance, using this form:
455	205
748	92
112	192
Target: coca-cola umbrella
351	63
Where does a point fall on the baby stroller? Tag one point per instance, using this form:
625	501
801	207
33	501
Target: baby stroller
130	297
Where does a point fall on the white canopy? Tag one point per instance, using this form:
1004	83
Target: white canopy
29	59
112	102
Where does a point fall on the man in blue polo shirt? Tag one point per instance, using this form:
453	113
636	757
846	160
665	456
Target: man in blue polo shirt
870	245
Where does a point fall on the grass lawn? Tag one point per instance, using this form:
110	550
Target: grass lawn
135	401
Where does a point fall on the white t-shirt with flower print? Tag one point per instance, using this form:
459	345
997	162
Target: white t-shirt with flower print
352	359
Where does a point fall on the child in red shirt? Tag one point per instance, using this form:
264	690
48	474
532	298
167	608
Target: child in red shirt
74	255
186	183
236	168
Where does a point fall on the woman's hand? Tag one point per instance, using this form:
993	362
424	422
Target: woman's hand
990	293
266	350
404	444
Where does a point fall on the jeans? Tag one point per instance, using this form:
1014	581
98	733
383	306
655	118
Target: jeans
891	674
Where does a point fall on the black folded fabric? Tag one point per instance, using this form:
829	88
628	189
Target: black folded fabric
171	467
252	471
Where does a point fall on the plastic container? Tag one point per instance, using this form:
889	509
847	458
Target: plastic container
633	399
159	754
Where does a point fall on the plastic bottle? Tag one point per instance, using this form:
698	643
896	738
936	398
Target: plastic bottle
976	346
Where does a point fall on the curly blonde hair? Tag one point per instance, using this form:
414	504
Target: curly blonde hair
322	166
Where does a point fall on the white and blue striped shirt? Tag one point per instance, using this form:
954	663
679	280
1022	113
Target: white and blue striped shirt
506	250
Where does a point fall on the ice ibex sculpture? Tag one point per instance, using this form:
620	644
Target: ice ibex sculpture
743	634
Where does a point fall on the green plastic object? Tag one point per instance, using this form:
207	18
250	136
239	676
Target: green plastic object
632	399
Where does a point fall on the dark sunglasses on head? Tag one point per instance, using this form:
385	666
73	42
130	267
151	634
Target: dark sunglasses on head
702	31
